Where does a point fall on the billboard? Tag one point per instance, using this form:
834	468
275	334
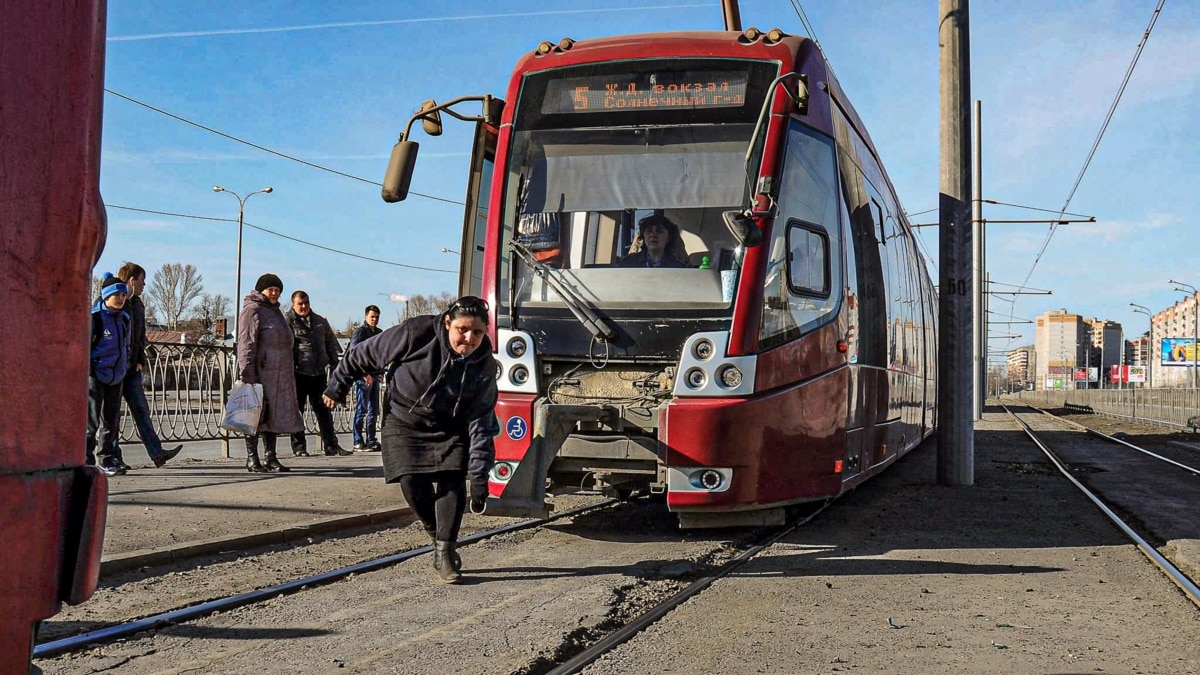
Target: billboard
1177	351
1128	374
1086	375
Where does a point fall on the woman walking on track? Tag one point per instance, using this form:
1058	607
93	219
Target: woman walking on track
264	349
439	424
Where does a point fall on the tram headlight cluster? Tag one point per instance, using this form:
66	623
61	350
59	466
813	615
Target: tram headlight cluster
517	362
706	370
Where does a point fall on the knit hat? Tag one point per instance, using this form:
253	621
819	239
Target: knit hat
111	286
268	280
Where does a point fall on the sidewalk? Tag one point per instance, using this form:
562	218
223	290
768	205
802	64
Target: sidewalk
201	503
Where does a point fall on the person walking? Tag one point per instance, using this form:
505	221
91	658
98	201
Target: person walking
315	348
264	351
132	388
366	388
440	419
109	361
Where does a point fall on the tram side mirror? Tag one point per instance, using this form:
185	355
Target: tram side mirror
399	171
431	122
743	228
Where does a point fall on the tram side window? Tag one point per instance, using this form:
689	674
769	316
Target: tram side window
808	260
799	281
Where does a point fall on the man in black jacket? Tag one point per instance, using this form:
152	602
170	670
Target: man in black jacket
314	349
132	388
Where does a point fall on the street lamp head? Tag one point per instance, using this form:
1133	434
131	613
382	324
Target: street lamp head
218	188
268	190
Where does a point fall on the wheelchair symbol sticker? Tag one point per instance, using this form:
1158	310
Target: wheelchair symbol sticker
516	428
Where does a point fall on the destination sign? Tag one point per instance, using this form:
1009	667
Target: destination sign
645	91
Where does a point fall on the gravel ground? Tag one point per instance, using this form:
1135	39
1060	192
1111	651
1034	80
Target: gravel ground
1017	573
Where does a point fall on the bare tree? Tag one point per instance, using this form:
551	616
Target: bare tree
96	282
351	326
204	315
172	291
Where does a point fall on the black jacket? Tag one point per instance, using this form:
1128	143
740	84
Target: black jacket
315	346
364	333
137	337
440	406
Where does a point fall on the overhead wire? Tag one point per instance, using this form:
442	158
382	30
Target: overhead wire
266	149
1103	127
1095	146
281	235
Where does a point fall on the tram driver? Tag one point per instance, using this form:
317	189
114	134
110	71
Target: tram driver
656	245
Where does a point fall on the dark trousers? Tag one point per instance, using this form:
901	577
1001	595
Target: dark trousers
308	392
438	499
134	393
366	410
104	421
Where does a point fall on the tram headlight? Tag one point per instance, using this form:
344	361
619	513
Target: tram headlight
696	378
708	479
517	347
703	349
519	375
730	376
502	471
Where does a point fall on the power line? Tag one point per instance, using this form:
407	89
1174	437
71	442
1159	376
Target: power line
1103	127
1095	144
281	235
268	150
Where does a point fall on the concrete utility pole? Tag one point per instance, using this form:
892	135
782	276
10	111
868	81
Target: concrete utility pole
956	439
979	288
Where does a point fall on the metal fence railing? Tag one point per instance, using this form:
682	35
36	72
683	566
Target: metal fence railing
187	387
1174	408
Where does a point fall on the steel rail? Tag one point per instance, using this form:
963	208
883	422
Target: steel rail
1180	579
75	642
1114	439
611	641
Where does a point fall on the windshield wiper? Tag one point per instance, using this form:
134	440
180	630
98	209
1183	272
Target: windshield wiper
597	326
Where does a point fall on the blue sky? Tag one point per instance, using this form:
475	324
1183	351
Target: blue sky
333	84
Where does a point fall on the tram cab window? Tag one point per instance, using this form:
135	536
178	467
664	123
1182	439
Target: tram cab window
804	247
576	196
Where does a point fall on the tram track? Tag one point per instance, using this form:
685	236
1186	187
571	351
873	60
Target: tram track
587	655
1169	568
126	629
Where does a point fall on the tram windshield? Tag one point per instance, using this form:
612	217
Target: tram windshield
623	207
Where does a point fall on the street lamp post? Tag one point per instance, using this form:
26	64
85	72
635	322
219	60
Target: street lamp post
1150	347
237	286
1191	290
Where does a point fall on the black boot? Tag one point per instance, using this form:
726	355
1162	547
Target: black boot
272	462
455	559
443	562
253	465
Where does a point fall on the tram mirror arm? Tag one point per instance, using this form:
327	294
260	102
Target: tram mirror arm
398	177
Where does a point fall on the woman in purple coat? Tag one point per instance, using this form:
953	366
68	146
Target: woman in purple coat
264	349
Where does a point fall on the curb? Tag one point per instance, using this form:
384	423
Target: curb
123	562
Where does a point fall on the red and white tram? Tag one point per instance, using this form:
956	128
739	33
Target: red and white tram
786	349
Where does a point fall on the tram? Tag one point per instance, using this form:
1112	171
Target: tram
701	280
52	507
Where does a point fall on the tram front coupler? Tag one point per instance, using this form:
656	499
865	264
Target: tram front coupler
524	494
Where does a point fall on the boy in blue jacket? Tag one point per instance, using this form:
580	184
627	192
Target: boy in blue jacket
109	363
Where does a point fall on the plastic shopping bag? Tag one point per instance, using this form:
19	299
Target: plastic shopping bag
244	409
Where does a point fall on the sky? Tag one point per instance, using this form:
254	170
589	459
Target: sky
334	83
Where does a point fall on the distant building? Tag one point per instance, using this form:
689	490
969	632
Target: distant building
1022	369
1060	341
1174	332
1107	346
